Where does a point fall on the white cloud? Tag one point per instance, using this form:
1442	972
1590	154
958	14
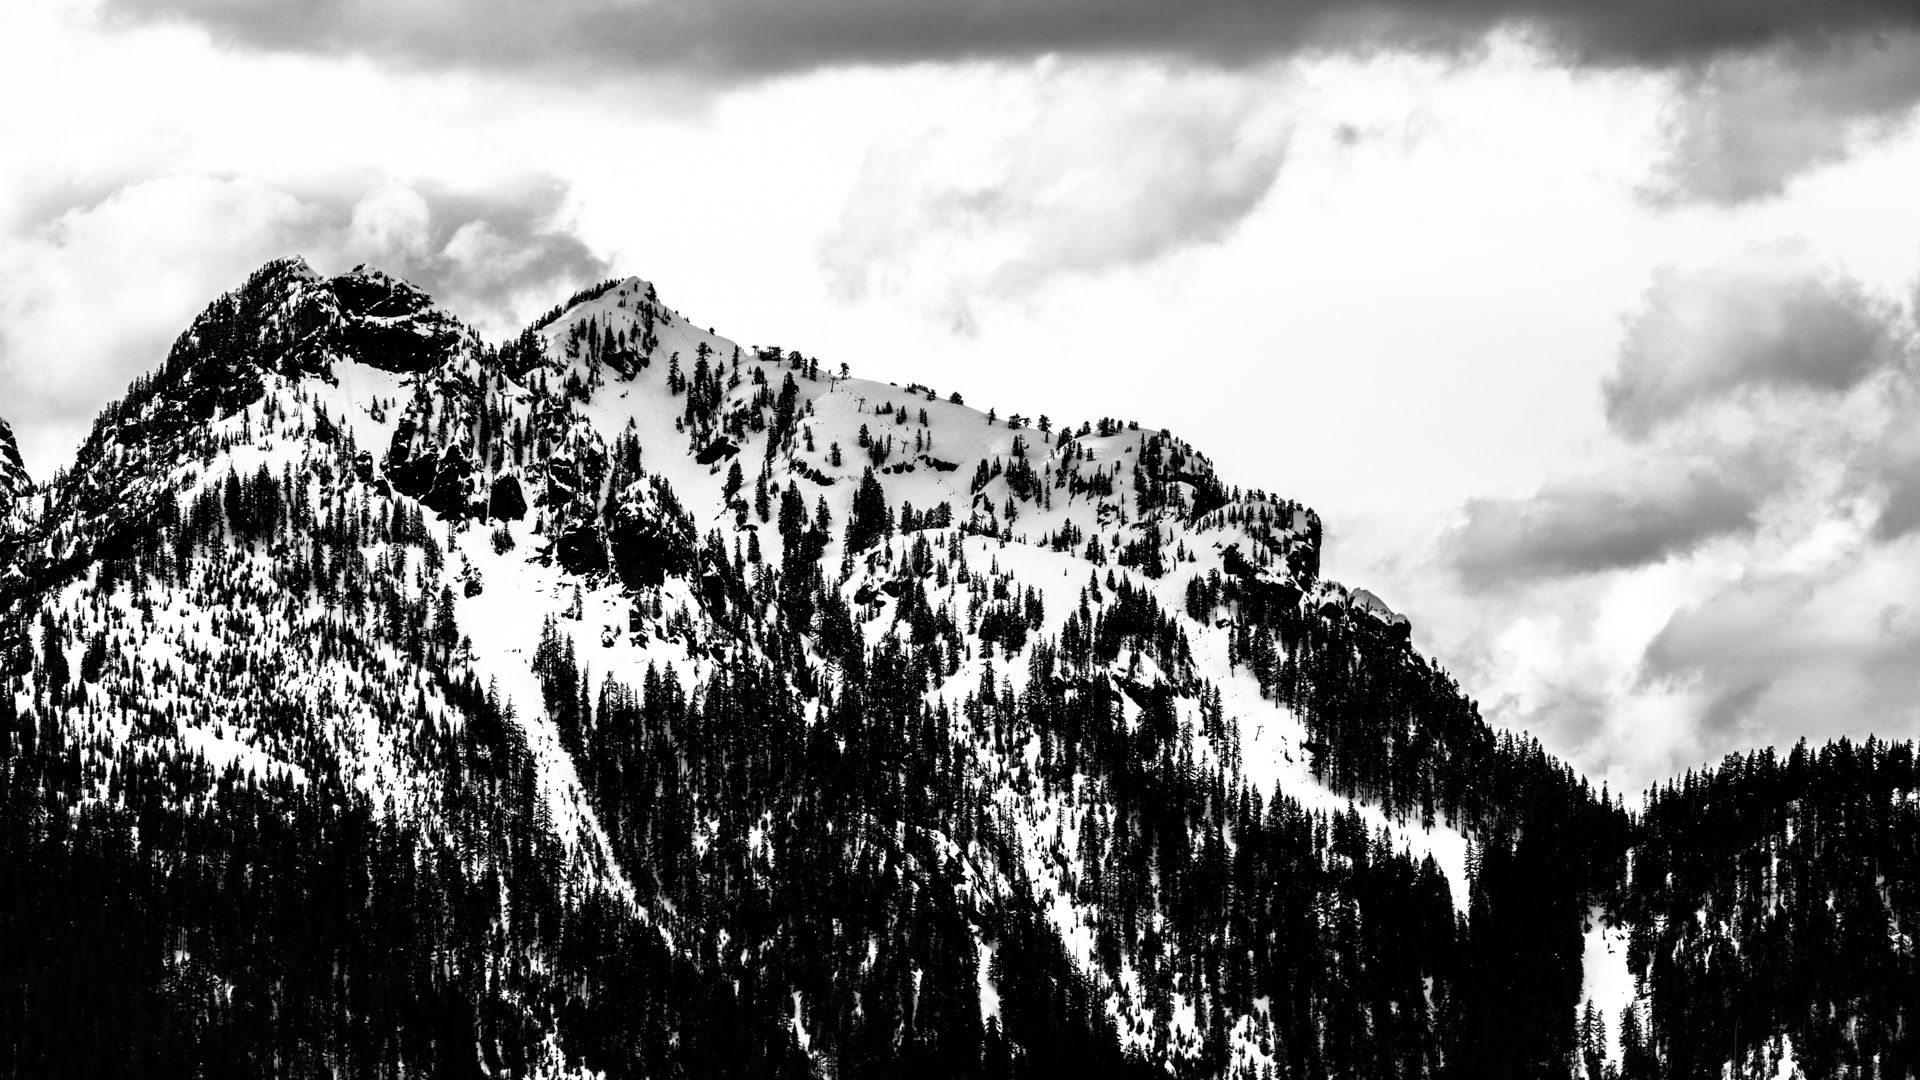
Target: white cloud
1387	284
393	221
95	296
1727	576
1070	171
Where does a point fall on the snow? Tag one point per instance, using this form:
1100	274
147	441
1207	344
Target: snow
504	620
1271	741
1606	980
505	634
989	993
1788	1067
1774	1059
364	400
799	1024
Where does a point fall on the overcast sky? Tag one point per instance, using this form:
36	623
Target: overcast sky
1588	326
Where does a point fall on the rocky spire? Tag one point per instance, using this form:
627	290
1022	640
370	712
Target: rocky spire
14	481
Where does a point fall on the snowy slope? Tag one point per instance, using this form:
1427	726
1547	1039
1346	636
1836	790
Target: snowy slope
1075	499
445	516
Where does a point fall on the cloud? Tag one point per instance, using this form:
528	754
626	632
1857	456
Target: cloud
1884	469
491	255
1099	169
1762	90
1775	320
1587	525
94	295
727	37
1831	650
1743	126
1900	513
1741	573
1797	620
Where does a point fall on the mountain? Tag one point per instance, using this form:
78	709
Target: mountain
14	481
16	490
617	700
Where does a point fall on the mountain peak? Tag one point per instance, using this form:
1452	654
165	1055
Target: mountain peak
289	319
15	486
1027	746
370	292
14	481
285	322
388	322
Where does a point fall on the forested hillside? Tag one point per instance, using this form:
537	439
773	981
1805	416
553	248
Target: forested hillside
617	700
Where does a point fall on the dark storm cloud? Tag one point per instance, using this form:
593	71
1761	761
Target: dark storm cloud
1584	526
732	37
1775	321
1750	124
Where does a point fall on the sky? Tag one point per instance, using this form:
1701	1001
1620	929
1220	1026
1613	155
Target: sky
1589	328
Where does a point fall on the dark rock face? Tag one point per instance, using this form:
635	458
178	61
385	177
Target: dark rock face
581	550
645	552
812	473
443	483
1265	590
1280	594
715	450
573	478
392	347
626	362
365	293
15	486
712	592
219	386
388	323
14	481
506	501
651	537
452	490
411	475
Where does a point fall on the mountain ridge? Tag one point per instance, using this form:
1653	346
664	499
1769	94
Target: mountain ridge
693	646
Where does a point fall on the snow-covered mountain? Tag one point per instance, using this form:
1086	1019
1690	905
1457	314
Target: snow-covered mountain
620	700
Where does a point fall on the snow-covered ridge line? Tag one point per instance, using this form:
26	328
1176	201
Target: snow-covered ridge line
1090	644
